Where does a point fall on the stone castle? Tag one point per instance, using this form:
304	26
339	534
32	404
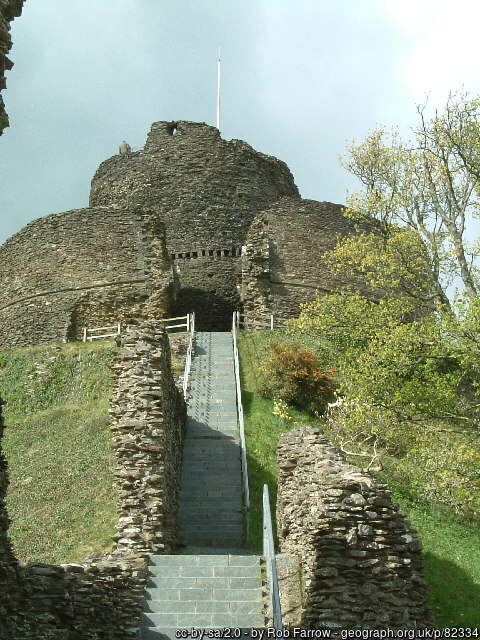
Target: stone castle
191	222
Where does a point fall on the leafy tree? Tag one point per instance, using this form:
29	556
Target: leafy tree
430	185
408	353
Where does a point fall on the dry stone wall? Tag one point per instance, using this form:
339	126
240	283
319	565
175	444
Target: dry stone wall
148	422
10	583
9	9
207	191
282	264
102	597
86	267
361	559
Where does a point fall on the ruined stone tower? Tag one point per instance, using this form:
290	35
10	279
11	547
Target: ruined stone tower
207	191
191	222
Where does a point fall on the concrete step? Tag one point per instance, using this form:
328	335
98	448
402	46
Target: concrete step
196	571
205	560
202	582
168	633
202	620
206	517
202	595
211	504
204	606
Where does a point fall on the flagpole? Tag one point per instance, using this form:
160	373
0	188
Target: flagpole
218	90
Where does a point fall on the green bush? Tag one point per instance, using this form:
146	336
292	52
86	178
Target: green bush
296	376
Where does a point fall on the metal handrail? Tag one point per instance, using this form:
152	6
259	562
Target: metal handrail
246	490
117	328
267	322
269	553
188	359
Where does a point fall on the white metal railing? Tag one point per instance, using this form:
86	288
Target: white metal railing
89	334
188	359
92	334
269	554
185	324
241	423
265	322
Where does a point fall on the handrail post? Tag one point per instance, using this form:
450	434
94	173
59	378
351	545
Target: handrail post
269	553
84	334
188	358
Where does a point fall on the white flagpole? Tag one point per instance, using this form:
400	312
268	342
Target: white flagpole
218	90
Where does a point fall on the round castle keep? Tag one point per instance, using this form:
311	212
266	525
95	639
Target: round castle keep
207	191
86	267
229	218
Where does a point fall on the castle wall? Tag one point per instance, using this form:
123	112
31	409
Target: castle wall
207	191
361	559
86	267
9	9
101	598
10	584
282	265
148	423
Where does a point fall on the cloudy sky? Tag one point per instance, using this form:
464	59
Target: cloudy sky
300	79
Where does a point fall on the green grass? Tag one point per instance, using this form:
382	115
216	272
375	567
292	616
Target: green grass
451	546
262	429
61	497
451	549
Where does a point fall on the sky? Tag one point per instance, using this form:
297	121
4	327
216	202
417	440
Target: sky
300	79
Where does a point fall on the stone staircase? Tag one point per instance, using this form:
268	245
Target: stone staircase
212	584
204	592
210	511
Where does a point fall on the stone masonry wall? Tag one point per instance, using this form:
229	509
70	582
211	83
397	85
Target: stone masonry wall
10	584
148	422
102	597
361	559
86	267
282	265
9	9
207	191
99	599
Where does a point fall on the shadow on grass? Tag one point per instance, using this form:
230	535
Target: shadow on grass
258	476
452	594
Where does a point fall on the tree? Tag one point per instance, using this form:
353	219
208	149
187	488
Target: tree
430	185
407	356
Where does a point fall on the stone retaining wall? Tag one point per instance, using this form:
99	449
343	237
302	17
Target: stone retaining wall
361	559
148	422
10	584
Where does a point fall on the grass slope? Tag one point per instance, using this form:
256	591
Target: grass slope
451	546
61	498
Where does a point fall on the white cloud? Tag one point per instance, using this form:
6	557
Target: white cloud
441	46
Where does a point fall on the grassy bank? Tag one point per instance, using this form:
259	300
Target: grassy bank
262	427
451	546
57	442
